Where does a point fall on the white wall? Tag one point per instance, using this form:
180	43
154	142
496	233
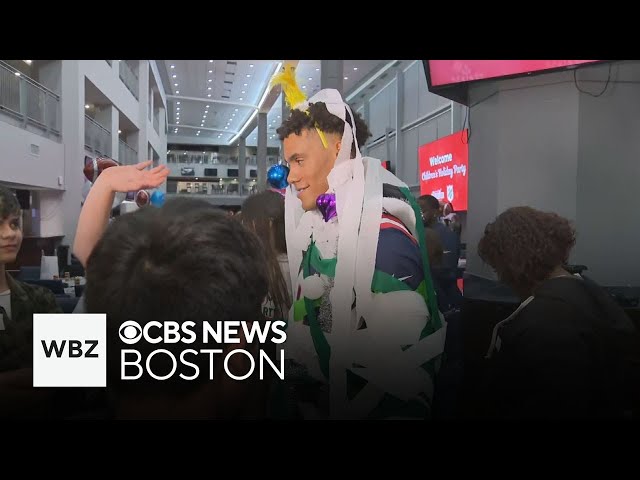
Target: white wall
107	79
609	176
538	141
18	165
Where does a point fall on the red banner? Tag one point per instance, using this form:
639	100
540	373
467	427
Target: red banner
443	169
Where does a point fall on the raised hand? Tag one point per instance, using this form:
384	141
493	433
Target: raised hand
130	178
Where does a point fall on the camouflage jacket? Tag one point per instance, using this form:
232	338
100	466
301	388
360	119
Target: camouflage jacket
17	338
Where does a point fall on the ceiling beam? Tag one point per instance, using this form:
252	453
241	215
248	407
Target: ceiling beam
269	98
209	100
173	125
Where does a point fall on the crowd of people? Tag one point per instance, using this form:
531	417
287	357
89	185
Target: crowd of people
364	276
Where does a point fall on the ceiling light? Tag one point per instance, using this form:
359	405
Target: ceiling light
240	99
248	75
278	116
226	128
174	76
173	66
209	88
210	80
310	78
87	106
251	65
346	78
17	74
209	95
210	71
304	86
355	68
177	121
119	131
236	109
245	84
317	69
243	92
178	103
207	106
210	61
28	62
177	92
178	108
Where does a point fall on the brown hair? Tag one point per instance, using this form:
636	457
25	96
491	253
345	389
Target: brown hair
263	213
524	245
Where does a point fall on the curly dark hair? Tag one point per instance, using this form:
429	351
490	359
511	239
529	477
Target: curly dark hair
525	245
320	117
9	204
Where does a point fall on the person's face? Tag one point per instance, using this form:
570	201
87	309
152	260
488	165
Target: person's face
10	238
309	164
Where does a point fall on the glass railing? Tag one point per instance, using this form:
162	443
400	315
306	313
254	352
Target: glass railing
129	78
126	154
27	100
96	138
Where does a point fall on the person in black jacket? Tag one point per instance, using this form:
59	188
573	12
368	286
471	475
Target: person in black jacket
568	350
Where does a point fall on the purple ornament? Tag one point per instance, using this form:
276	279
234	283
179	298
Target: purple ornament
327	205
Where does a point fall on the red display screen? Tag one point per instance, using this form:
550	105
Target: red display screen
450	72
443	169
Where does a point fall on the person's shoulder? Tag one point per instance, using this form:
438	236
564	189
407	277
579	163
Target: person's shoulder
36	294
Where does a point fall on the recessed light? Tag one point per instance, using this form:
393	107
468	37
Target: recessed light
210	71
248	75
278	116
178	103
177	92
174	75
178	121
173	66
233	114
355	68
210	80
240	99
209	95
245	84
175	84
310	78
251	65
87	106
346	78
243	92
226	128
119	131
17	74
236	109
178	108
210	61
317	69
304	86
208	88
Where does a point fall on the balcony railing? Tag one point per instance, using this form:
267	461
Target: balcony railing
129	78
25	99
156	123
126	154
96	137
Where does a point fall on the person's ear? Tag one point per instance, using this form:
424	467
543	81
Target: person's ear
338	145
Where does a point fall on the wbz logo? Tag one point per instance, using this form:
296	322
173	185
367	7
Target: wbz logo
69	350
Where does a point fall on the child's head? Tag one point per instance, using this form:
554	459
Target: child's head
10	231
186	261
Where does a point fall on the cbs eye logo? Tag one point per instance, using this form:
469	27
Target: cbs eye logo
130	332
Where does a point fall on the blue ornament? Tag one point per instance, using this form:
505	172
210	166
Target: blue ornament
277	176
157	198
